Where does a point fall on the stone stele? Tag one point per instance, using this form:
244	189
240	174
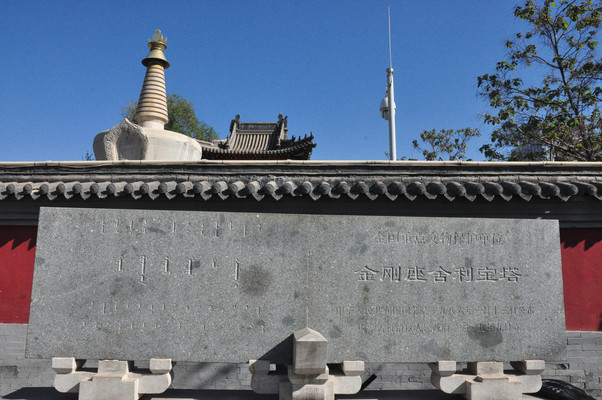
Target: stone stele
229	287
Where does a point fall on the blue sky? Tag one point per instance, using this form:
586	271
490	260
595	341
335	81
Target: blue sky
68	67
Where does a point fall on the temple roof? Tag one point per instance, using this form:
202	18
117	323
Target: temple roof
259	141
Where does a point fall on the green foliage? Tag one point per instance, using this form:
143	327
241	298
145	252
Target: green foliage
559	113
88	156
402	158
129	111
182	118
447	144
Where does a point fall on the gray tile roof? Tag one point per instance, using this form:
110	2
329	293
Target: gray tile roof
259	141
238	180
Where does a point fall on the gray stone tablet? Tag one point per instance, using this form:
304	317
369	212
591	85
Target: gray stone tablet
229	287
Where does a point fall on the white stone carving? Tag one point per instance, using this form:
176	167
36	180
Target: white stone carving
487	380
112	380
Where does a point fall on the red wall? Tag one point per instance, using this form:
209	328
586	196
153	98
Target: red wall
581	265
17	251
582	271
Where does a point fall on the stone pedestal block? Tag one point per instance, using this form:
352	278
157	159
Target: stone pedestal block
112	380
488	380
309	377
308	391
309	352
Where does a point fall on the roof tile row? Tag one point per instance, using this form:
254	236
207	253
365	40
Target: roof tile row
393	189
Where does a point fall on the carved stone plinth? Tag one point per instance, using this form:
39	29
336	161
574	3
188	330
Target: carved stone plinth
113	380
309	378
488	380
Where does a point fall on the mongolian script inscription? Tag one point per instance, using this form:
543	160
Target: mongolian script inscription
207	228
165	267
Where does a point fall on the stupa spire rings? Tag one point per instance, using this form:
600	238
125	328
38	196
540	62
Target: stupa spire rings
151	111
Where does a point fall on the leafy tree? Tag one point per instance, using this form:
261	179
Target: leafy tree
182	118
556	116
447	144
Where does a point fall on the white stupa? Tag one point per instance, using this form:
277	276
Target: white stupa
146	139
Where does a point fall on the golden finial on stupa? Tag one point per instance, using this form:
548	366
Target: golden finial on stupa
157	45
158	37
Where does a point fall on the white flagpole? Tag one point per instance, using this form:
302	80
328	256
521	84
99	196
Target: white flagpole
390	91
